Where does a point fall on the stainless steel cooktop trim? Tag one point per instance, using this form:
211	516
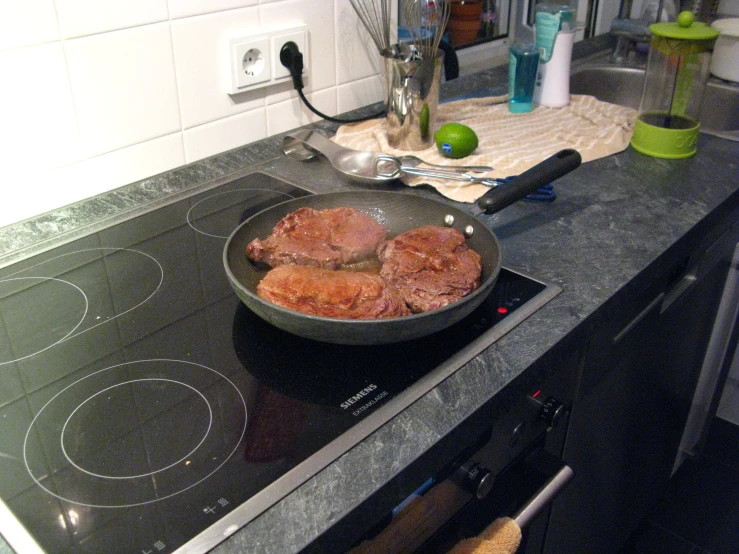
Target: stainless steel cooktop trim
276	491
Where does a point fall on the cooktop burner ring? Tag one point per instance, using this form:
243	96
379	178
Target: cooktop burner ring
132	491
189	454
237	473
65	337
191	220
110	250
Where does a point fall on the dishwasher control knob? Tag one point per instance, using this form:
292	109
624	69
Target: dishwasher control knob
475	479
552	411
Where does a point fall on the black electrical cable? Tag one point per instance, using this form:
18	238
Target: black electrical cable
292	59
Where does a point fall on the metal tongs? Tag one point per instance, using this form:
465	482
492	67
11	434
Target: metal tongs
391	167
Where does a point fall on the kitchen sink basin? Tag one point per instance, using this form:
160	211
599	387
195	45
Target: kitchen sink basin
623	85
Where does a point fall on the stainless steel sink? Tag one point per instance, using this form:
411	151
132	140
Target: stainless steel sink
623	85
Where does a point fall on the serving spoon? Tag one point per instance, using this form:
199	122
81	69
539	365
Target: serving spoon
356	165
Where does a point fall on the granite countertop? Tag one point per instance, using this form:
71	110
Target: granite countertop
616	223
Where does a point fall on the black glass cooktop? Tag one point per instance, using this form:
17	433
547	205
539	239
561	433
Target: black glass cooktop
144	408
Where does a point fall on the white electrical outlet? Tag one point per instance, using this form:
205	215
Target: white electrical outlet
251	63
254	61
296	35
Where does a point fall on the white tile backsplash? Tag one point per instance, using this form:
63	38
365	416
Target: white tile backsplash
187	8
231	132
124	87
360	93
39	127
27	23
87	17
356	53
120	167
201	60
45	190
132	88
287	115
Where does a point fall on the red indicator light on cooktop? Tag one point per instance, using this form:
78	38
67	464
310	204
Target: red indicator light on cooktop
502	310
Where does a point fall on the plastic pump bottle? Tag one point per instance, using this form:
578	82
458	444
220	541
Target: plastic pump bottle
555	36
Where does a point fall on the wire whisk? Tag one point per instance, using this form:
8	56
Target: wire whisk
376	17
426	21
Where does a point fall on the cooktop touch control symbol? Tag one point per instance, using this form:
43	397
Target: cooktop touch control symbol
222	503
158	546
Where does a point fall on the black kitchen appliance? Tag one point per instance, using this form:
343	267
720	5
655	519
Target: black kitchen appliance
144	408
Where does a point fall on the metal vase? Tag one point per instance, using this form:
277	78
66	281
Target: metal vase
412	101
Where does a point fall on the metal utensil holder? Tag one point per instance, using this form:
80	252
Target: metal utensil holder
413	99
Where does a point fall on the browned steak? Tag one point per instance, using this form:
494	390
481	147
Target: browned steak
320	238
431	266
331	293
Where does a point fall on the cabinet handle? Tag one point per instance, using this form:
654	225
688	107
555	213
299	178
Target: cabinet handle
543	496
678	289
634	322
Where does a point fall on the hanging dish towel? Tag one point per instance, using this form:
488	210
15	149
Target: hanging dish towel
510	143
502	536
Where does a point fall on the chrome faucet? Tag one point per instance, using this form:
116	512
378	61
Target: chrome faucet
629	32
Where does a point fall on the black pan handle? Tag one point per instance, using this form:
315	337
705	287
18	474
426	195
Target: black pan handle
530	181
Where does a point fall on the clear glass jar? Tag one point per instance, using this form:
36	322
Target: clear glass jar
677	71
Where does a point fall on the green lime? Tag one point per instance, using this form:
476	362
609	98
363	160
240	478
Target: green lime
424	120
455	140
685	19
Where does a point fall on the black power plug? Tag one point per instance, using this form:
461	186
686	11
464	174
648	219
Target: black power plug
292	58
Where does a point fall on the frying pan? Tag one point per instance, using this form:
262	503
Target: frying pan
398	212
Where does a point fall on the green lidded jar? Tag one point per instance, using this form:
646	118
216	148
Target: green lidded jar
677	71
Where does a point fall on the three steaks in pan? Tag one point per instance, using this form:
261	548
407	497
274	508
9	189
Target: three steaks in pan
311	252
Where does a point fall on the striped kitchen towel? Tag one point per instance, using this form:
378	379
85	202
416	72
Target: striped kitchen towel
510	143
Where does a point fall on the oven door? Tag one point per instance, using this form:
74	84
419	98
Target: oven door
462	503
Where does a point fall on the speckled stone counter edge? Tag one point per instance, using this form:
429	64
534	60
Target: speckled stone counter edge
46	231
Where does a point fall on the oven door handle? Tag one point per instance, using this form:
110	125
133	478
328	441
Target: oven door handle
543	496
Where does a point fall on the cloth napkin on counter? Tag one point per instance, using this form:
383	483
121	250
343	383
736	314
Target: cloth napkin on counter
510	143
502	536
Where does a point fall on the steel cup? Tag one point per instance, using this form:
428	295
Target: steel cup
412	101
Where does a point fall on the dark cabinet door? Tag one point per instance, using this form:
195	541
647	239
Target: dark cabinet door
625	429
